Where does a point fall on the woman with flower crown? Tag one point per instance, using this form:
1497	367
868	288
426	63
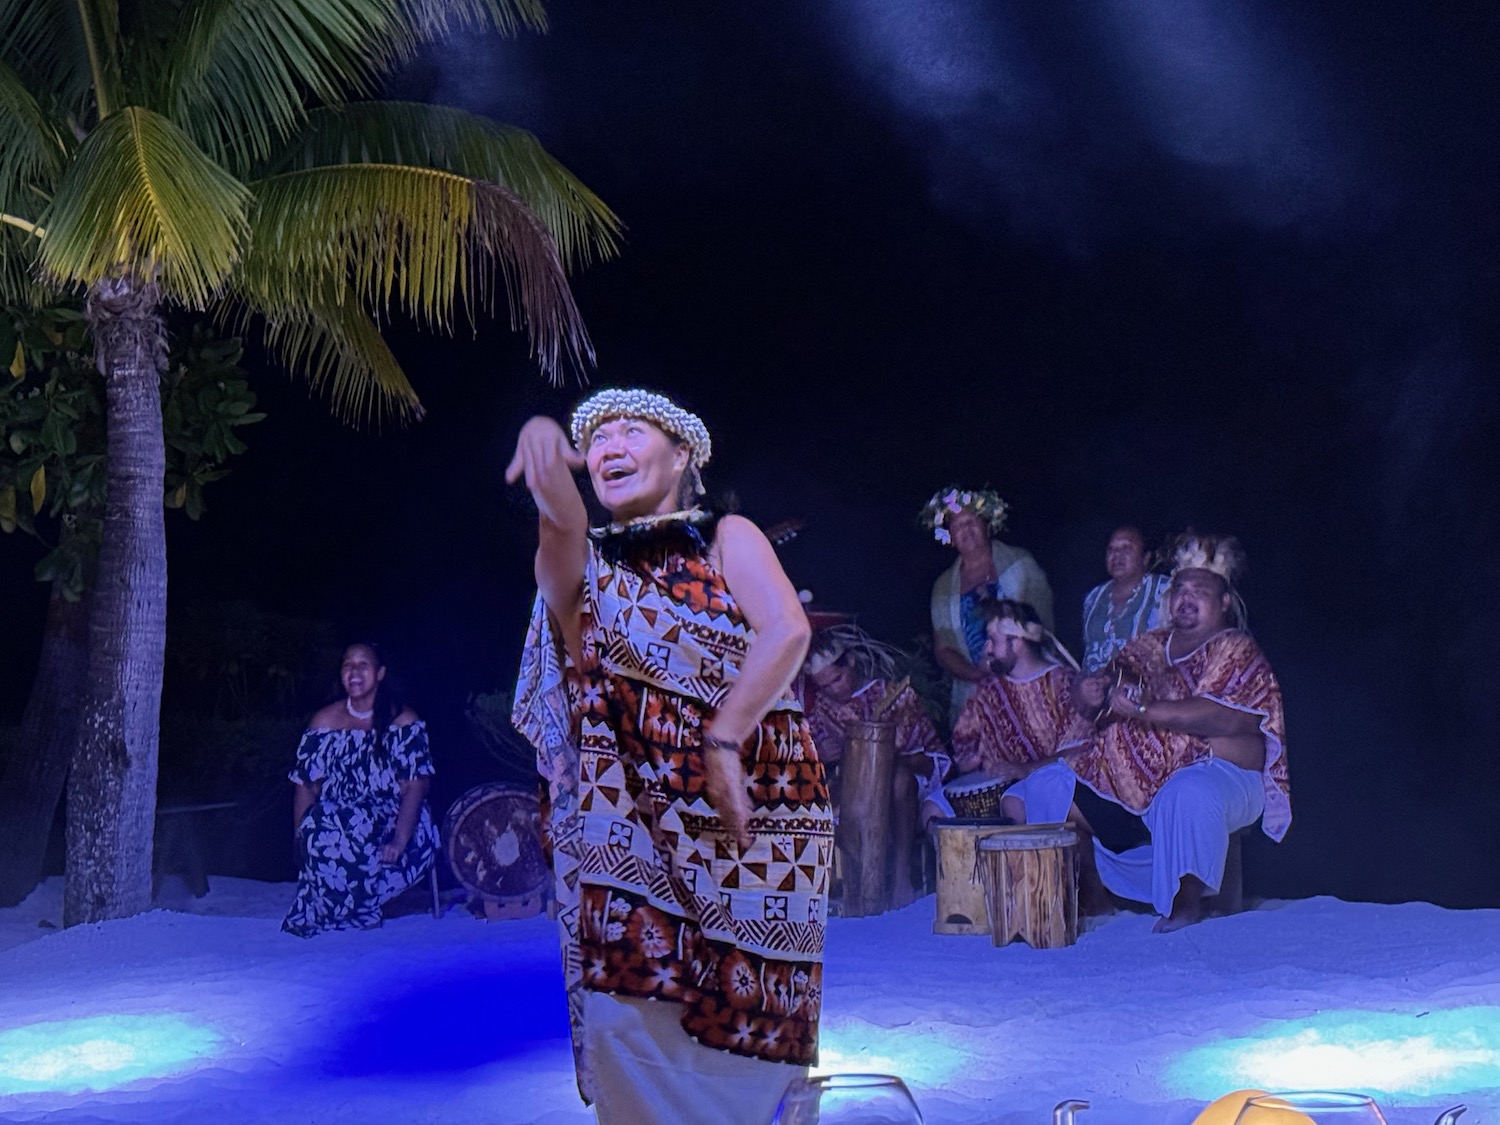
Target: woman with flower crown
986	569
689	813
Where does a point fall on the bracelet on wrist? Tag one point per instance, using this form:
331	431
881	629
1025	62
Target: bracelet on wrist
1140	709
714	742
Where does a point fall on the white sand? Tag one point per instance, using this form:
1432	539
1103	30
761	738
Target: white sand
458	1020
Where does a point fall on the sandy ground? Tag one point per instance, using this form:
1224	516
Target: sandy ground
206	1012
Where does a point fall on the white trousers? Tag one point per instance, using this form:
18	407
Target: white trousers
1190	820
1047	793
647	1071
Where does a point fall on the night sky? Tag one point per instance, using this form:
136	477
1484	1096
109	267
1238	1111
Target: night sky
1150	261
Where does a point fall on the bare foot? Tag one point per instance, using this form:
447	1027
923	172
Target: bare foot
1177	920
1187	907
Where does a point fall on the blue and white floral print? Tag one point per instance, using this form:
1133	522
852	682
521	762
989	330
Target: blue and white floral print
343	883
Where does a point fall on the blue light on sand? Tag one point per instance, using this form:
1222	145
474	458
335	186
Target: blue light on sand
922	1058
100	1053
1415	1054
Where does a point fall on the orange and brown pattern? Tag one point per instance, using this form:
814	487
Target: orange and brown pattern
671	906
1129	762
1019	721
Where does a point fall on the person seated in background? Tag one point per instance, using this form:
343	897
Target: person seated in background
1129	604
359	815
1020	721
968	521
1191	736
850	678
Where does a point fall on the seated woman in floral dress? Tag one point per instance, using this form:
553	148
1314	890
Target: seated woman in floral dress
359	817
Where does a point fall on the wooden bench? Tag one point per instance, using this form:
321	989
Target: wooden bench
178	850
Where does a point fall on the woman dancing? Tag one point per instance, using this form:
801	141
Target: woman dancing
690	818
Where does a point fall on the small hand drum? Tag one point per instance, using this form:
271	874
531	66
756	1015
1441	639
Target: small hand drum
976	796
492	836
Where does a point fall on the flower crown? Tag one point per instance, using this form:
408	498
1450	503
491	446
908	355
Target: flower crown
948	502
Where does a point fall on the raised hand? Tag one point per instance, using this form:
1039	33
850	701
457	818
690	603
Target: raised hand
546	459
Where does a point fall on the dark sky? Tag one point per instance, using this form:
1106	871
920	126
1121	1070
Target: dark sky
1129	260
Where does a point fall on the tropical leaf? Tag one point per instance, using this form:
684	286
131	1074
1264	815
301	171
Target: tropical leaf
32	151
48	45
453	140
338	348
18	282
241	72
429	239
436	19
140	197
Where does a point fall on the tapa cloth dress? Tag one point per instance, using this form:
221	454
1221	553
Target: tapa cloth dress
656	900
342	883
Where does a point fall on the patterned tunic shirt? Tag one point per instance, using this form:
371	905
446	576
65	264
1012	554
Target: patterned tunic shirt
1129	761
1019	721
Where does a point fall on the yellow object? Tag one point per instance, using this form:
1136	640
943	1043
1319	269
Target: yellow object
1223	1111
1227	1111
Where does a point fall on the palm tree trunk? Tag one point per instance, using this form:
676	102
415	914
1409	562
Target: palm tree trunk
31	784
112	789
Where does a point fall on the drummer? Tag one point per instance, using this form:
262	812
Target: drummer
1021	718
850	677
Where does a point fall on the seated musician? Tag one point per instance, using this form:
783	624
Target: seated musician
849	678
1021	718
1191	737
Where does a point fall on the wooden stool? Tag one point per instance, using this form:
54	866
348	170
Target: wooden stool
1030	874
1231	896
960	893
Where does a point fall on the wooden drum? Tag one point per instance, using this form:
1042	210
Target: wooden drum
492	836
960	891
867	772
1030	874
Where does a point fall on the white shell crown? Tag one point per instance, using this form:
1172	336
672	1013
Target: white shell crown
632	402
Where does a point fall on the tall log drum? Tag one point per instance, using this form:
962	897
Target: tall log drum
864	816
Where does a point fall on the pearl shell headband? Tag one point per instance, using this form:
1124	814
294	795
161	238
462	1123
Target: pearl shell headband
632	402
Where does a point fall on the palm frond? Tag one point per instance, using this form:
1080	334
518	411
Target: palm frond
241	75
32	149
241	72
433	20
452	140
431	241
44	41
339	350
18	276
141	197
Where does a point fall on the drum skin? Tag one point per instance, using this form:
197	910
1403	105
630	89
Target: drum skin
492	836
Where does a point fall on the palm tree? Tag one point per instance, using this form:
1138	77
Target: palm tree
222	154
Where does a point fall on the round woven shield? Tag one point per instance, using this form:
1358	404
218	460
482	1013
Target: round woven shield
492	836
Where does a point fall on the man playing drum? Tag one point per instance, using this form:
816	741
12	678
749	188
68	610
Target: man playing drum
848	679
1020	719
1191	737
